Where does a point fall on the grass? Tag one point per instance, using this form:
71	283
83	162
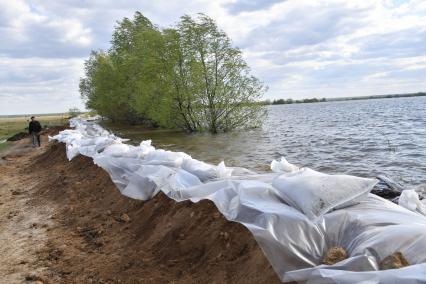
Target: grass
12	125
4	146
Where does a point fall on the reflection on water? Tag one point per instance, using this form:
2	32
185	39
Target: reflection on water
366	138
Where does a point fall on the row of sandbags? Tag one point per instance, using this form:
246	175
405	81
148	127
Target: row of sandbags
296	214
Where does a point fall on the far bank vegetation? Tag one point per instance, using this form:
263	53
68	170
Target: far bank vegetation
188	77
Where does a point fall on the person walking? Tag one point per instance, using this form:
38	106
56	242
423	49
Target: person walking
34	129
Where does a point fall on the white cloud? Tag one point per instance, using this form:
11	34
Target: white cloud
299	48
37	85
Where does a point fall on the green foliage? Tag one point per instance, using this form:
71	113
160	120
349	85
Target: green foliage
73	112
188	77
4	145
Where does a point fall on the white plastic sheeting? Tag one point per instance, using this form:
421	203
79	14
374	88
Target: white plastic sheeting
410	200
370	229
283	166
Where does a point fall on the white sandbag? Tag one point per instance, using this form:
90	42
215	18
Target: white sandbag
87	142
72	151
283	166
223	171
146	143
315	193
177	182
202	170
368	231
116	150
120	169
410	200
140	151
165	158
383	241
88	151
148	180
206	171
421	190
142	183
145	147
68	136
103	142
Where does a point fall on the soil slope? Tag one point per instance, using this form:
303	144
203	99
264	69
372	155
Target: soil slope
65	222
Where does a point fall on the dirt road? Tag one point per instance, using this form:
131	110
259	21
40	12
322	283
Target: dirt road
23	225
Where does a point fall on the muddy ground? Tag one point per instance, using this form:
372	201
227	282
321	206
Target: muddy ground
65	222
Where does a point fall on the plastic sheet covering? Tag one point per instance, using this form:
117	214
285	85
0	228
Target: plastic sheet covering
410	200
202	170
283	166
369	230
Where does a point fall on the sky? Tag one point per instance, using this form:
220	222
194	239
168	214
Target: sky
298	48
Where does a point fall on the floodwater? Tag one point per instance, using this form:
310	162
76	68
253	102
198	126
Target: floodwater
363	137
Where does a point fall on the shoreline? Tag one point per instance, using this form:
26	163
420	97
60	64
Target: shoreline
87	231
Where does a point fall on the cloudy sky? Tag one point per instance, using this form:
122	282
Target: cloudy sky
300	49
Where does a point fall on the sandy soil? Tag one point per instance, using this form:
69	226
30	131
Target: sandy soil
23	226
65	222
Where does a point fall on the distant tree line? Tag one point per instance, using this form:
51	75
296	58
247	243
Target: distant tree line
315	100
388	96
419	94
291	101
188	76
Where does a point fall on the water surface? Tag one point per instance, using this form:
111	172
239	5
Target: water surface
363	137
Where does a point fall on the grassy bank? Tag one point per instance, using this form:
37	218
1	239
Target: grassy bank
9	126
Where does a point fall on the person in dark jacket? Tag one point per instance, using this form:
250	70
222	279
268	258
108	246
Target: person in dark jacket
34	129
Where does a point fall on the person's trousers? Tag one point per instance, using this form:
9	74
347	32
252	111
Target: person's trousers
35	138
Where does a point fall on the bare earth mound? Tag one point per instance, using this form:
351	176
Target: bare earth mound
91	233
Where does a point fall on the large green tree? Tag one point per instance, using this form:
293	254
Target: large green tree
217	81
187	77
